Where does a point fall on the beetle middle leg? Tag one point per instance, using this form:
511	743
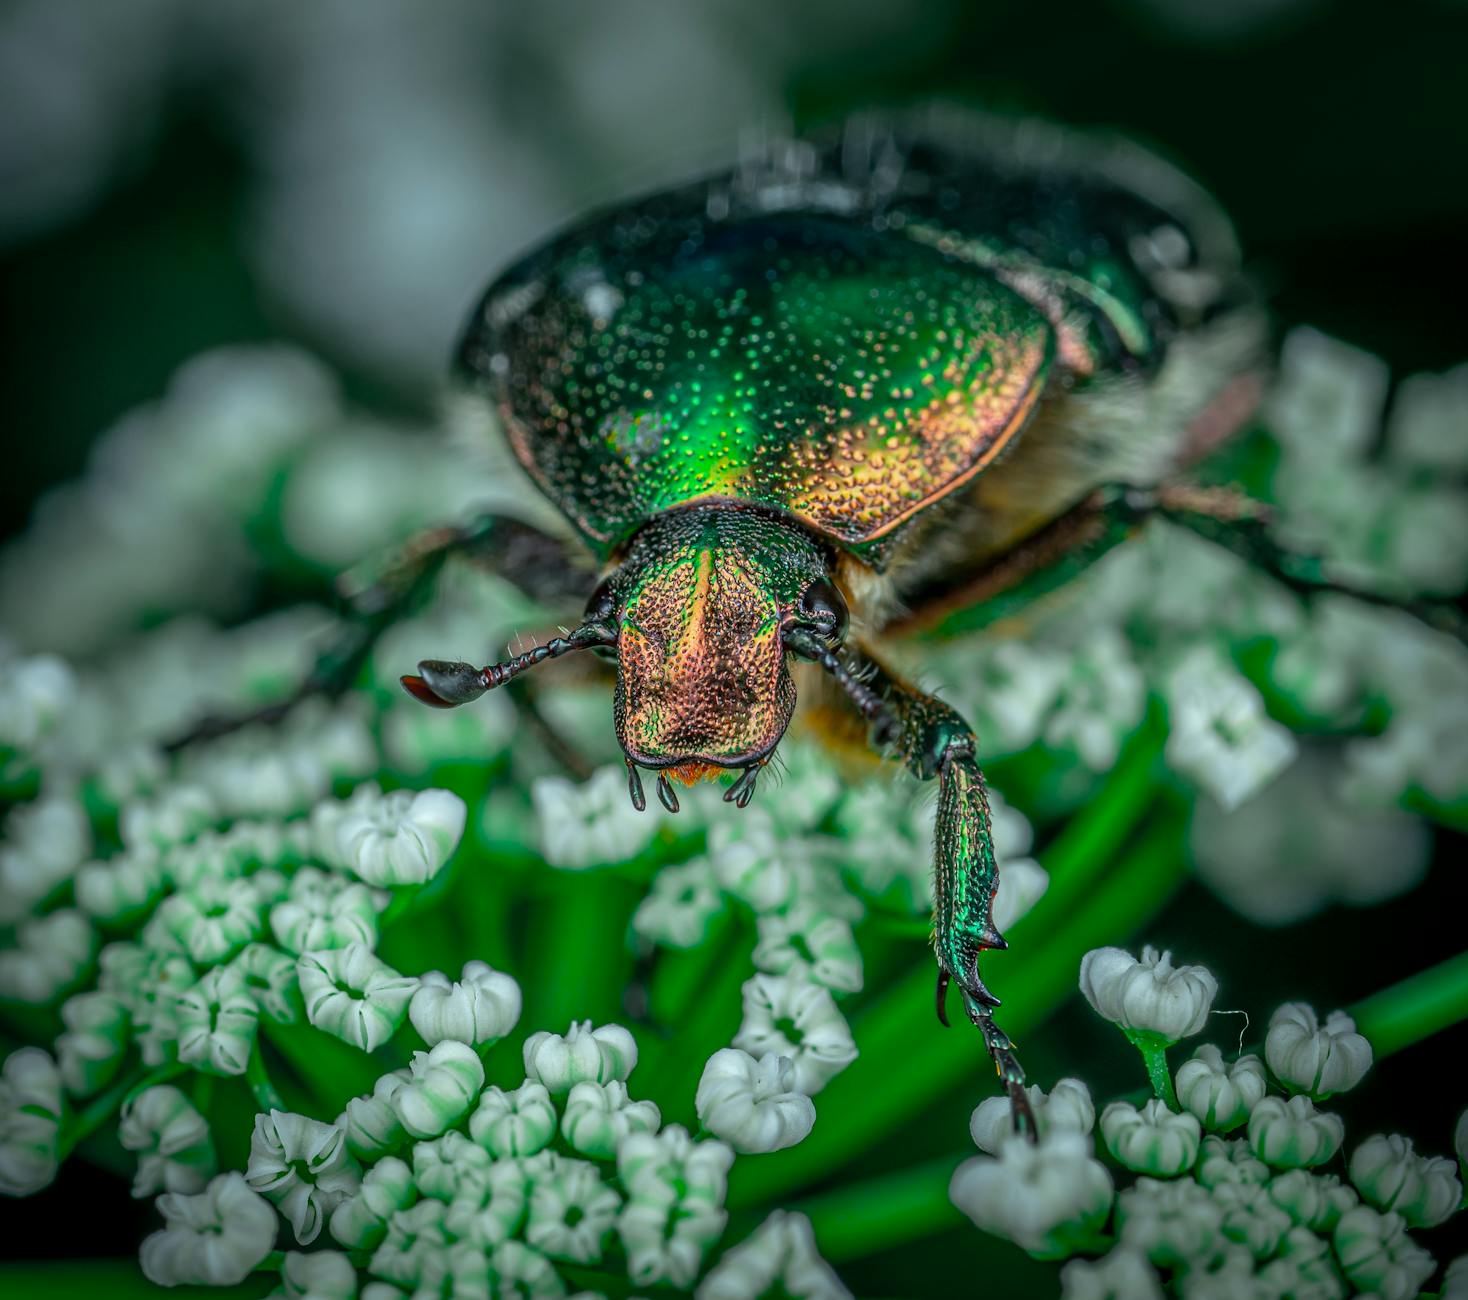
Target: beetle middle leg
934	742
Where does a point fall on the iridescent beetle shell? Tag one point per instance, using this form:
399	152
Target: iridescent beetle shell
838	352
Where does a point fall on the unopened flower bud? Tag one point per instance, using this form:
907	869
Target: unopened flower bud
1312	1058
1293	1134
1148	997
1153	1140
1220	1094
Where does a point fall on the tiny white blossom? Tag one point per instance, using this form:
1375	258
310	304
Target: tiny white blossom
90	1052
324	910
44	843
33	693
580	1055
121	888
360	1221
798	1019
1377	1255
1221	1094
215	1238
269	977
445	1083
178	813
163	979
53	953
1099	701
590	823
1424	1190
1314	1201
450	1167
671	1165
1175	1224
321	1275
303	1166
680	907
1218	733
1229	1160
1046	1196
31	1108
481	1007
806	939
175	1149
752	860
217	1023
376	1005
1153	1140
412	1248
518	1271
517	1123
1148	997
665	1241
1251	1218
371	1123
212	920
599	1115
1312	1058
779	1257
753	1105
1123	1273
402	838
1293	1134
1067	1106
493	1210
572	1213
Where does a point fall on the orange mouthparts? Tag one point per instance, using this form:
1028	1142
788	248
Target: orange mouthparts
693	773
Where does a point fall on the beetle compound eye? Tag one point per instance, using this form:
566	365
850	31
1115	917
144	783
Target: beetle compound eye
823	605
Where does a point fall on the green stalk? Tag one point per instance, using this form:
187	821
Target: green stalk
1154	1056
87	1121
1420	1006
920	1064
266	1097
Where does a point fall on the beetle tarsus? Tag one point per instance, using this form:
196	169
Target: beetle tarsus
634	787
1006	1063
666	794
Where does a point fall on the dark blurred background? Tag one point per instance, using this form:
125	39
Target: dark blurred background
346	174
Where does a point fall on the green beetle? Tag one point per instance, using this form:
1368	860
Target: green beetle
915	370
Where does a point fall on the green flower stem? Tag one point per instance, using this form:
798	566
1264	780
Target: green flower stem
680	976
97	1113
116	1279
917	1064
1420	1006
266	1096
710	1023
332	1070
1154	1056
203	1092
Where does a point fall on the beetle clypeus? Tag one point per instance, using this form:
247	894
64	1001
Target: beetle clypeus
917	369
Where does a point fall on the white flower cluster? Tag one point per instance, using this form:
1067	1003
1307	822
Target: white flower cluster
1256	1214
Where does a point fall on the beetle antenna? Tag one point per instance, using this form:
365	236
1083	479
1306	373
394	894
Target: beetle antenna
445	685
869	704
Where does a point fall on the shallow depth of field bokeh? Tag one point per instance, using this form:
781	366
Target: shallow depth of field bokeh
322	190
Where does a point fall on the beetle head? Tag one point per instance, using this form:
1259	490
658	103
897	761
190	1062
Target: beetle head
707	604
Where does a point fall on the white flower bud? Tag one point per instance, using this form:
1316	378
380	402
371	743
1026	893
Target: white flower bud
91	1050
1220	1094
581	1055
1045	1196
680	907
665	1241
175	1150
753	1105
590	823
1067	1107
517	1270
30	1121
371	1012
1314	1201
1153	1140
1149	997
1175	1224
808	940
450	1167
324	910
34	692
1251	1218
480	1008
792	1017
599	1115
360	1221
210	921
303	1166
178	813
777	1258
1312	1058
217	1023
1424	1190
213	1239
517	1123
371	1123
445	1081
492	1211
54	952
269	977
671	1166
44	843
1378	1256
1293	1134
413	1247
752	860
159	985
1455	1280
572	1213
1121	1274
321	1275
402	838
1229	1160
121	888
